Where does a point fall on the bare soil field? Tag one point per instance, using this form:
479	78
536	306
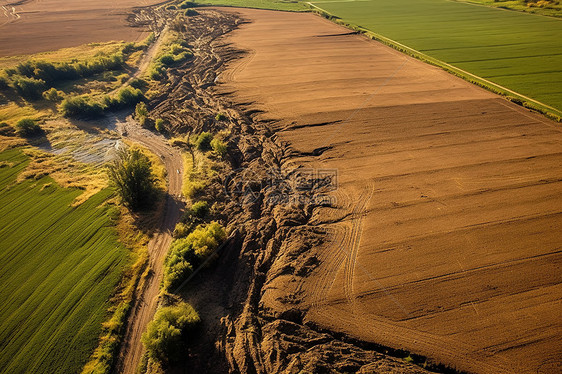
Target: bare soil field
445	237
33	26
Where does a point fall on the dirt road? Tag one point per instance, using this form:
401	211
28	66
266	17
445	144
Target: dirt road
145	304
445	236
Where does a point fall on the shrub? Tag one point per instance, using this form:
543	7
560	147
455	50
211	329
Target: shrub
28	88
218	146
178	264
165	335
141	114
191	12
126	98
203	141
200	209
167	59
53	94
220	117
157	71
81	107
205	239
27	127
139	83
171	7
132	175
4	81
159	125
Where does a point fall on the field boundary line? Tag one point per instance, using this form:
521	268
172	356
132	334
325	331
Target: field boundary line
547	110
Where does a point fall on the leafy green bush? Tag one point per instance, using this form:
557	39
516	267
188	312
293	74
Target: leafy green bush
53	94
218	146
126	98
166	334
205	239
159	125
141	114
27	127
81	107
28	88
203	141
200	209
167	59
139	83
132	175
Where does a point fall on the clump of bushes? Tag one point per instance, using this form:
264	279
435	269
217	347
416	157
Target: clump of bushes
220	117
81	107
203	141
141	114
138	83
219	147
53	94
125	98
167	333
186	253
175	54
190	12
28	87
159	125
27	128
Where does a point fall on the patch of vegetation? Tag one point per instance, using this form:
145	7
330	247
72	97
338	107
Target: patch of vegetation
141	115
159	125
174	51
53	94
27	87
295	5
60	265
132	176
27	128
81	107
190	13
167	334
190	251
219	147
127	97
220	117
203	141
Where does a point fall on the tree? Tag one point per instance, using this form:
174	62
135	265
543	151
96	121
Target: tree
132	175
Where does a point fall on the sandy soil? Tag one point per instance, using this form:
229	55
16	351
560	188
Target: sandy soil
445	239
34	26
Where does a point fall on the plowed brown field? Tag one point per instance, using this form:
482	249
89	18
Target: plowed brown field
446	239
32	26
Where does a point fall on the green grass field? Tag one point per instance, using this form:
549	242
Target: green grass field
288	5
520	51
59	266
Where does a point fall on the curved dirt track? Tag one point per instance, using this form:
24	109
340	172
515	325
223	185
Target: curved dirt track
145	304
446	234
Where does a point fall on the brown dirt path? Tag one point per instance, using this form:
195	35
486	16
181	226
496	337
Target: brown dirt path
145	304
446	234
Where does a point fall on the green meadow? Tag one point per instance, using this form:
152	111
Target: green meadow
520	51
287	5
59	266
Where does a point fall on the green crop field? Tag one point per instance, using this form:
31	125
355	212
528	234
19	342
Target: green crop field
288	5
520	51
59	267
